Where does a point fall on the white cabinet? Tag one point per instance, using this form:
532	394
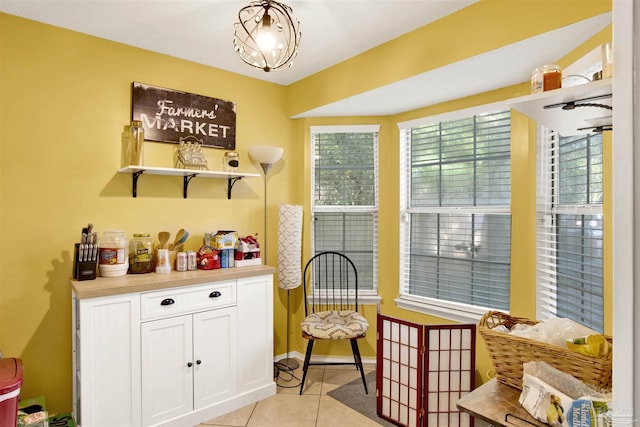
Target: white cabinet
175	350
106	361
255	325
188	363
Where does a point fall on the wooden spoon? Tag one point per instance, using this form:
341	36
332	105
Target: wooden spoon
163	236
181	237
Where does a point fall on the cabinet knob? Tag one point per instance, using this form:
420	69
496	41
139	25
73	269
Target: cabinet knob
198	362
215	294
167	301
189	364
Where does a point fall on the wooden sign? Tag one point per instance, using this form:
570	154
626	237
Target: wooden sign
168	115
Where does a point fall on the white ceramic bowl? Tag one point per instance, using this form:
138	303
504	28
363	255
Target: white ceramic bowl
113	270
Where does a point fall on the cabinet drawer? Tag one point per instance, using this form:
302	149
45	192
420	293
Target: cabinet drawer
170	302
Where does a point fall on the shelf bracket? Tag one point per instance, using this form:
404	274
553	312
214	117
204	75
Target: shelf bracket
185	187
230	185
570	105
134	182
597	129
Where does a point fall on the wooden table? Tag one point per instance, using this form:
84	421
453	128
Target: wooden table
497	403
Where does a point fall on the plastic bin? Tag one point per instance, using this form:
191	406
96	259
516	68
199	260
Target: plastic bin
11	372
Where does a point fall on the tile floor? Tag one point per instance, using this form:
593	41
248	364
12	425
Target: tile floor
313	409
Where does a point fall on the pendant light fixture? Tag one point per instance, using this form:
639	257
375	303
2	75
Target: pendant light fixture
267	36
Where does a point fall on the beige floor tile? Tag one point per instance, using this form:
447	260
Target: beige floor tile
238	418
334	378
333	413
313	382
289	381
286	410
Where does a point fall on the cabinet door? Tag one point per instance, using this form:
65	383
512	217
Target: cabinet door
255	329
167	368
107	350
214	354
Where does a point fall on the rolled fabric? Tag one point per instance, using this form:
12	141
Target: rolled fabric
290	247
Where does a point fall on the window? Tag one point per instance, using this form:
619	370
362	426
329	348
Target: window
569	228
455	216
345	196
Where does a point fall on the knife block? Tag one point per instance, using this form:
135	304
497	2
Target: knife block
83	270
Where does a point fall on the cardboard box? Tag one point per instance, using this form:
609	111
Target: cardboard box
248	262
225	239
247	247
32	412
62	420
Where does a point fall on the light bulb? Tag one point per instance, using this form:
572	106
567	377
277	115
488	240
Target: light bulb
265	39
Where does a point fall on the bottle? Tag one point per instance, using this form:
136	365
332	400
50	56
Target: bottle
141	254
136	143
112	253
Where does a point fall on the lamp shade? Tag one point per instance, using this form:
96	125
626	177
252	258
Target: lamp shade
290	247
265	154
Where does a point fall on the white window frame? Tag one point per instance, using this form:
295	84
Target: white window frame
545	273
450	310
365	296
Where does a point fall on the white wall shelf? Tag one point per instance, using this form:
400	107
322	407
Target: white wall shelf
547	108
186	174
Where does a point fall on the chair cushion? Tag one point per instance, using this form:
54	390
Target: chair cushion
335	325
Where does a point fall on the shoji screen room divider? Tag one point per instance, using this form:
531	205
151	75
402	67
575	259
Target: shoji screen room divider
422	371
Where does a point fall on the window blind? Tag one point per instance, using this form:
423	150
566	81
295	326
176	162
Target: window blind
455	220
570	228
345	188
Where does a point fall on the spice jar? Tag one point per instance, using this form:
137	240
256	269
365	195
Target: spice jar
547	77
141	254
230	161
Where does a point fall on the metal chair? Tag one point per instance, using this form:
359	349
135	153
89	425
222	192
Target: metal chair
331	308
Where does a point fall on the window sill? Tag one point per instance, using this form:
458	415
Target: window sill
457	312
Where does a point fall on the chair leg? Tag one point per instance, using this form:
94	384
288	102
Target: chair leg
358	360
305	366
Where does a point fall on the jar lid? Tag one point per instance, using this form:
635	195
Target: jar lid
136	122
231	154
141	235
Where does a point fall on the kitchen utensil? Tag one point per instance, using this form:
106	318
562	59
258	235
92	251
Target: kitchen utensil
181	237
163	237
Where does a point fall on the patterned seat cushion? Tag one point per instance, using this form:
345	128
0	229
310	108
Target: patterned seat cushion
335	325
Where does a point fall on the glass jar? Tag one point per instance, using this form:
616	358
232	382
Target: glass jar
230	161
136	143
547	77
141	254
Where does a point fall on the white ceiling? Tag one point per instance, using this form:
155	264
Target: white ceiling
202	31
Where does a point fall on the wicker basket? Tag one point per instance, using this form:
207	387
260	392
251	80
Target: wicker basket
508	353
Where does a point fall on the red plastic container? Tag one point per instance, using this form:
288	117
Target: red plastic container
10	382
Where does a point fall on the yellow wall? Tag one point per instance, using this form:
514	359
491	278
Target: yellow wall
65	97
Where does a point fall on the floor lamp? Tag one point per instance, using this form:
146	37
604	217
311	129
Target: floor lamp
266	156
